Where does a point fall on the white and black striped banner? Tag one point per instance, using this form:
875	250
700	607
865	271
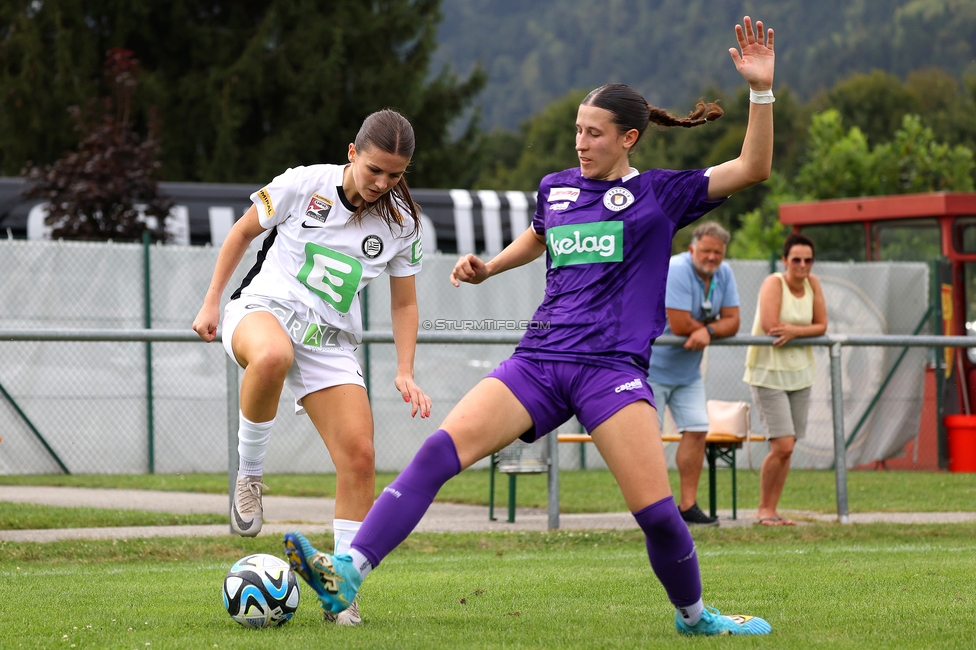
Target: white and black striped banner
455	221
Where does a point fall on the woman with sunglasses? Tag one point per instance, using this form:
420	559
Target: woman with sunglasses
791	305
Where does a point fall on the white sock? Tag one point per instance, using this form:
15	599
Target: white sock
361	563
252	444
693	613
345	531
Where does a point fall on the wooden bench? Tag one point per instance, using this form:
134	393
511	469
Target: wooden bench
718	447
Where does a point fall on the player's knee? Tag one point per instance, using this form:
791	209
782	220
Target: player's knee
359	457
272	361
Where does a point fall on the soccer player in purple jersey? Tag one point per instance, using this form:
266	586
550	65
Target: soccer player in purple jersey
607	230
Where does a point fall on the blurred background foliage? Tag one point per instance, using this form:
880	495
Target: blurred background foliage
873	96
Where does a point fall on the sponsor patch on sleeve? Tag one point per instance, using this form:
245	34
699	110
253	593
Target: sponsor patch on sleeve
416	251
266	200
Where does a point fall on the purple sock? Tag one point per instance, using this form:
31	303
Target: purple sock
671	550
403	503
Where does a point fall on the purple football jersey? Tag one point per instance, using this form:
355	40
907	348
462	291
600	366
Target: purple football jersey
609	246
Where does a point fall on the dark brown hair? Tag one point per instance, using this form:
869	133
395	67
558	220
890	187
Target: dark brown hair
631	111
389	132
796	239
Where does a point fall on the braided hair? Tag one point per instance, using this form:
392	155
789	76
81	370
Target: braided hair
631	111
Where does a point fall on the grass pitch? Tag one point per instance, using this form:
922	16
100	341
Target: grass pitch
821	585
877	586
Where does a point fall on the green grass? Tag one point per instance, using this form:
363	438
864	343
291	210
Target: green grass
877	586
24	516
596	491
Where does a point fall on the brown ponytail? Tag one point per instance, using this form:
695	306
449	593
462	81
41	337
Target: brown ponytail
703	113
631	111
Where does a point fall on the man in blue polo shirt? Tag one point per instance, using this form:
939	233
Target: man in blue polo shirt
702	303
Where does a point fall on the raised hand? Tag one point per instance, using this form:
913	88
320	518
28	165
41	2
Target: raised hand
756	61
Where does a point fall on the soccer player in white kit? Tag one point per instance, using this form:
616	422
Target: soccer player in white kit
296	319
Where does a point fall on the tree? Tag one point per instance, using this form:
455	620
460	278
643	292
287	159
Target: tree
93	192
46	65
838	164
914	162
841	164
874	103
547	145
761	234
247	88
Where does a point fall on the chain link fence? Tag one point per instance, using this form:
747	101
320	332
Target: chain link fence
134	407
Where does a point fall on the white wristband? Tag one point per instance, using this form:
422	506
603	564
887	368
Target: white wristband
761	96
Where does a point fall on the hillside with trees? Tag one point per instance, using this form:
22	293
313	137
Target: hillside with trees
670	50
873	96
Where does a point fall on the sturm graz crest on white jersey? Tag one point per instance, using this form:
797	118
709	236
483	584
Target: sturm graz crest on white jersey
372	246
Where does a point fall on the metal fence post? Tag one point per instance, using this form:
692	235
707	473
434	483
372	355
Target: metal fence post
840	443
552	482
147	323
233	409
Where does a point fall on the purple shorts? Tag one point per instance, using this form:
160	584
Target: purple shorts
554	391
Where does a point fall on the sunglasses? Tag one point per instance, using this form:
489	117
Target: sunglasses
801	260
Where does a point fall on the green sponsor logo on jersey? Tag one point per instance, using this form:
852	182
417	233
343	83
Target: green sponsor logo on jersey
586	243
334	277
416	251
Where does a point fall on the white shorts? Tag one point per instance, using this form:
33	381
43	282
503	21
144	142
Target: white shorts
315	367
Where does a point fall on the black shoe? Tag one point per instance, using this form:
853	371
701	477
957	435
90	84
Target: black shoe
694	516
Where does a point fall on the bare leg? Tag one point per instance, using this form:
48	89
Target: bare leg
264	350
772	477
689	458
630	443
342	416
486	420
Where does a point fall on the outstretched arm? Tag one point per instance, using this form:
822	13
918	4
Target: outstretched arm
523	250
755	64
241	234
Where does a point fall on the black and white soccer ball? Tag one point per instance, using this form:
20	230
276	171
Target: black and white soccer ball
260	591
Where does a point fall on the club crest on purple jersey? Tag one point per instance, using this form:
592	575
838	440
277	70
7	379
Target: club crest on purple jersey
617	199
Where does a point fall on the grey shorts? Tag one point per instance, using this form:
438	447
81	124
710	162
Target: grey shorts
782	413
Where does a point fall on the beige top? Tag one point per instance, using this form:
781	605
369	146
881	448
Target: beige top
783	368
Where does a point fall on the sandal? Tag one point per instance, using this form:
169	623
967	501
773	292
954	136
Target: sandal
775	521
769	521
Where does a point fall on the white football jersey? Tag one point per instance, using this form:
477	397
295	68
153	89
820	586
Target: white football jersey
313	256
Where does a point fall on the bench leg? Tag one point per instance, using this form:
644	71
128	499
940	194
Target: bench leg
710	454
735	491
491	488
511	498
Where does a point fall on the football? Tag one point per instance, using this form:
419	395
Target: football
260	591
